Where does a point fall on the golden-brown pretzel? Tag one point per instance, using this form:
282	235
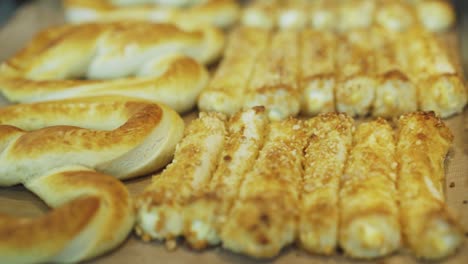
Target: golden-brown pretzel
221	13
60	150
157	62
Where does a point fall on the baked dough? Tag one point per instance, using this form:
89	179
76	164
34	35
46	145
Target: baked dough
369	217
63	151
221	13
92	214
157	62
429	228
255	186
395	15
364	71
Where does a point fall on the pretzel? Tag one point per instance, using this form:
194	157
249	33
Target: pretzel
63	151
134	59
221	13
396	15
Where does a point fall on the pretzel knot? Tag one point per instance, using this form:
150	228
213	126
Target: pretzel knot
156	62
221	13
64	151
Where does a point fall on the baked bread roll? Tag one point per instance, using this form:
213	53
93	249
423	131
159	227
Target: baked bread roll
62	151
220	13
255	186
429	228
92	214
114	135
156	62
396	15
365	71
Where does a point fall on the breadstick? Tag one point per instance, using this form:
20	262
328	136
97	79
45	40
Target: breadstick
225	92
274	82
438	78
323	14
355	14
429	229
395	15
161	206
395	94
293	14
355	89
208	213
369	219
317	71
261	14
263	219
324	161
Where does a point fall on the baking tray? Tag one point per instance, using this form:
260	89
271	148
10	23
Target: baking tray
18	201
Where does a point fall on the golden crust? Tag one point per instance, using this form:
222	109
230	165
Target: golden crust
369	220
63	132
222	13
324	161
263	219
246	132
225	92
397	15
163	207
274	83
437	76
92	214
135	59
318	71
360	72
429	228
355	62
316	182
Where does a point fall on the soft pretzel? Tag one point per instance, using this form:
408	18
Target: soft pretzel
397	15
221	13
56	150
157	62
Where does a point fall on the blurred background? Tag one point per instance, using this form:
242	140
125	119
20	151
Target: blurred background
8	7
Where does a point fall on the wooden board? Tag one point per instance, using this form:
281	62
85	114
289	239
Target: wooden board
18	201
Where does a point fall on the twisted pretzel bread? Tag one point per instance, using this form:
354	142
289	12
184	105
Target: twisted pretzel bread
221	13
53	149
142	60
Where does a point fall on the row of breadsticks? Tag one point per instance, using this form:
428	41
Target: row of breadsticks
255	186
360	72
434	15
342	15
